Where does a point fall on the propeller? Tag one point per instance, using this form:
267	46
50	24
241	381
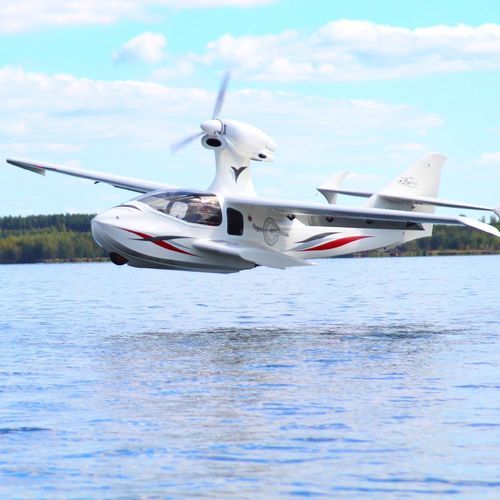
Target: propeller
184	142
210	127
221	95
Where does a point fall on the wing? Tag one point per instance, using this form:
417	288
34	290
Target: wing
372	217
130	183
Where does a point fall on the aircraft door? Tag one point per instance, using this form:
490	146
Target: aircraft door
235	222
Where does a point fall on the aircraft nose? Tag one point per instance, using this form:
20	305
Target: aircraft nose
100	220
106	216
102	225
109	224
111	217
97	226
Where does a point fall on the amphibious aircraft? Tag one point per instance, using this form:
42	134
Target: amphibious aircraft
228	228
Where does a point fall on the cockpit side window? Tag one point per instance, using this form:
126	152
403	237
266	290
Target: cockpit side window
155	201
178	209
196	208
204	210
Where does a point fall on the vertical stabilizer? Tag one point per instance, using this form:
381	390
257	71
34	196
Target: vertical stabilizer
421	179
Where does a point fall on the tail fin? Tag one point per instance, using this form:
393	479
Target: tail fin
421	179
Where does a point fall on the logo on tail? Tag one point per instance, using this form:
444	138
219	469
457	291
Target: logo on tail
408	181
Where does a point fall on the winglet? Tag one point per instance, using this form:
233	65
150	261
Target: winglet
497	211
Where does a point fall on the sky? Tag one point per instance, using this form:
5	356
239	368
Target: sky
362	86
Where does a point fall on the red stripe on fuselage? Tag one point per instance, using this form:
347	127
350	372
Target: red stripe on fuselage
335	243
160	243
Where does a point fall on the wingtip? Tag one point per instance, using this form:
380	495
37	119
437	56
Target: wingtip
482	226
32	167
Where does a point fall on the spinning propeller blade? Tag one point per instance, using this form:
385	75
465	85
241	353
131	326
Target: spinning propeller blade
184	142
217	109
221	95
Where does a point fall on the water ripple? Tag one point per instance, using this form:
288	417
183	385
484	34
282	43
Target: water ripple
118	382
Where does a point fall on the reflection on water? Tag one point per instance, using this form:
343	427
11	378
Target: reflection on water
358	376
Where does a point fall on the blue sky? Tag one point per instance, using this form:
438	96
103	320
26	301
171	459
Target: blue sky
361	85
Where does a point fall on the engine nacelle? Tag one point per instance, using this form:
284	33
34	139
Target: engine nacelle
249	141
239	138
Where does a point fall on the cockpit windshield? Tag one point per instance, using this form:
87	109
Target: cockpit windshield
197	208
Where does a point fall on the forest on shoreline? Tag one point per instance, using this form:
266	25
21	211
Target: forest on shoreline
42	238
67	237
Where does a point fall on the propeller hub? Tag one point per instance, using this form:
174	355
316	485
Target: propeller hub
211	127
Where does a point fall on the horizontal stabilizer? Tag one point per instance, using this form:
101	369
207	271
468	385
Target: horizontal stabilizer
256	254
330	188
119	181
329	193
437	202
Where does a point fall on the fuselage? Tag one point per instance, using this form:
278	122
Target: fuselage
161	230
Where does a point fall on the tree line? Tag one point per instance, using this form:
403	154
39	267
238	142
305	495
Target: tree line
454	239
39	238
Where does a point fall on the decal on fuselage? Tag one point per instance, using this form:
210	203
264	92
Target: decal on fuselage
271	231
237	172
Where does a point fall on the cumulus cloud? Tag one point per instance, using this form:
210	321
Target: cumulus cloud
126	127
354	50
147	47
61	117
24	15
491	159
41	107
173	72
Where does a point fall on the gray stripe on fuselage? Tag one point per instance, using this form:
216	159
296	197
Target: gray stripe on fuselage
158	263
317	237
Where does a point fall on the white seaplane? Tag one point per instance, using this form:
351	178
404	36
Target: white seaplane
228	228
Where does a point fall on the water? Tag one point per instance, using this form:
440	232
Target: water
375	377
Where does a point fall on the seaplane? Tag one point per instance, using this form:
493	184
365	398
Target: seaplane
228	228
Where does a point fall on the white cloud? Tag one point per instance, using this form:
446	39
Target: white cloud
41	107
353	50
147	47
168	73
24	15
127	127
408	147
490	160
407	152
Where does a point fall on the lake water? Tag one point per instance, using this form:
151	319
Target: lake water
376	377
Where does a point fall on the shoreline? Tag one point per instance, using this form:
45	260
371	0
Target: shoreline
432	253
